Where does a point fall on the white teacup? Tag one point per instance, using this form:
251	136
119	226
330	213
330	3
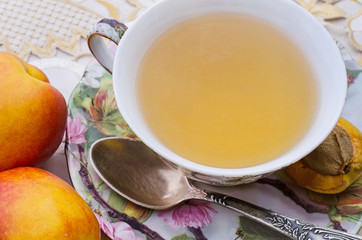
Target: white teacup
319	47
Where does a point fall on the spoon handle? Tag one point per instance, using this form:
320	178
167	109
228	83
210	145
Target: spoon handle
293	228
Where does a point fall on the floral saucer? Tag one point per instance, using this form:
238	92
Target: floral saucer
93	114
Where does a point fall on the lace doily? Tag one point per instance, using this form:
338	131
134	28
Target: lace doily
41	26
343	19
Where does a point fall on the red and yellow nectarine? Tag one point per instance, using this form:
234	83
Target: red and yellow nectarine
32	114
37	205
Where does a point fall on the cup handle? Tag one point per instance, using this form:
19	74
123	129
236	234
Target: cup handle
108	28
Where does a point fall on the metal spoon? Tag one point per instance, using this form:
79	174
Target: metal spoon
137	173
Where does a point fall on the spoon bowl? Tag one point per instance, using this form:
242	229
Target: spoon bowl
160	187
137	173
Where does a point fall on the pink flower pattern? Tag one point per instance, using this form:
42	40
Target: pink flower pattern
350	79
196	214
117	230
75	131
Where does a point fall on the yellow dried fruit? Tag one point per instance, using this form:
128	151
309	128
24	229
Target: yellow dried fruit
334	165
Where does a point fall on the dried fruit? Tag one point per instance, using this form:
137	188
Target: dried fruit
334	165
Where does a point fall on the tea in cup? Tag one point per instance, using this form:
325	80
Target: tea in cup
225	90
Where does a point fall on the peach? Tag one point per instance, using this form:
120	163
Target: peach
32	114
37	205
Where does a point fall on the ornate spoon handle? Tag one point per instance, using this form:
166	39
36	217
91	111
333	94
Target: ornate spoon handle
293	228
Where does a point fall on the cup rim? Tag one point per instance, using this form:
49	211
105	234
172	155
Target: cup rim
270	166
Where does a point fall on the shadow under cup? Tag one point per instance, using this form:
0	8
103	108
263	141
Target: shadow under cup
319	48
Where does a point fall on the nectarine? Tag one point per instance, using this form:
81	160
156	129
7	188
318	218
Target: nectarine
37	205
32	114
